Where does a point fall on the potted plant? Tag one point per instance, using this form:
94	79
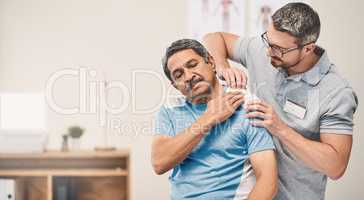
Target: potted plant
75	133
65	146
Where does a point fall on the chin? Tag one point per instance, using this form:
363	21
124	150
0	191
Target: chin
200	92
274	64
277	64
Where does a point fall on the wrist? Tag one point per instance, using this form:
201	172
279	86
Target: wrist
207	120
222	64
284	132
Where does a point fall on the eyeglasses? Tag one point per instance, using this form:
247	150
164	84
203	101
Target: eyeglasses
276	50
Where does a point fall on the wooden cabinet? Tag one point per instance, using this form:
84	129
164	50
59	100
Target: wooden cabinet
86	175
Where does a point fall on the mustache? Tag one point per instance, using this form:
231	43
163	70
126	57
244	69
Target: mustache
276	58
193	82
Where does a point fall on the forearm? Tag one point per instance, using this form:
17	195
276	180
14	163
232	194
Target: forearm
216	45
266	173
265	188
317	155
171	151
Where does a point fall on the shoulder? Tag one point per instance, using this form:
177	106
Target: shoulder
238	120
336	93
174	105
334	79
333	84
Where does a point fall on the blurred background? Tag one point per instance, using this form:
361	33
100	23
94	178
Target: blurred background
74	52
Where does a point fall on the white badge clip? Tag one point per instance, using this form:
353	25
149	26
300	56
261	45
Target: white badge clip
294	109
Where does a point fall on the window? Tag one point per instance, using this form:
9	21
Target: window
22	111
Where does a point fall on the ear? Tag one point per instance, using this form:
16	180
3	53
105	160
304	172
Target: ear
174	84
212	62
309	48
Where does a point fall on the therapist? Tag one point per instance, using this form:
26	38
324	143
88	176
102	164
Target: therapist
304	102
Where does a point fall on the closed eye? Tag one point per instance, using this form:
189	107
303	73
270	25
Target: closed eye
191	63
177	73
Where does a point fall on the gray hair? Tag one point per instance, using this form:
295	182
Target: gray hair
299	20
180	45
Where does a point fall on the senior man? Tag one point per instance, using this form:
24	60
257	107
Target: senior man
205	137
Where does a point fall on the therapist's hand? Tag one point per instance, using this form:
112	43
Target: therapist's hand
267	117
234	77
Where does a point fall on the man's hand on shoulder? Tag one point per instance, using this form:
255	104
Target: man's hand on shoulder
222	107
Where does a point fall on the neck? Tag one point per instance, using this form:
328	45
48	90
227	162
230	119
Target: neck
304	65
217	91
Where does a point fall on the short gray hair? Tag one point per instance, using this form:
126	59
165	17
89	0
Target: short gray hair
299	20
180	45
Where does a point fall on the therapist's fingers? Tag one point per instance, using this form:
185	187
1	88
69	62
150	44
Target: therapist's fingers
234	77
239	80
227	75
231	78
224	76
258	123
256	107
256	114
240	77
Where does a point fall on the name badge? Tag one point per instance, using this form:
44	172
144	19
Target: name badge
294	109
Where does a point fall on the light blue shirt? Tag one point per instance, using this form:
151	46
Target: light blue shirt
218	167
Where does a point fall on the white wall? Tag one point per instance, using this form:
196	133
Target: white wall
40	37
342	36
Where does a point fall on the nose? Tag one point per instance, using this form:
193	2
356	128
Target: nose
269	52
188	75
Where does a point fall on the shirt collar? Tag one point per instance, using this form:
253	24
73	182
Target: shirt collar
319	70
